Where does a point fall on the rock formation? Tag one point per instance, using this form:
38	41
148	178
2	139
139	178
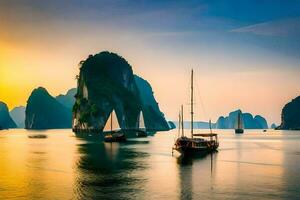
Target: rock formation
196	124
68	99
5	119
249	122
290	115
106	82
172	125
44	112
154	118
222	123
273	126
18	115
261	122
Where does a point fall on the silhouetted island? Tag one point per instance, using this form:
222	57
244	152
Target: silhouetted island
67	99
249	122
273	126
290	115
154	118
6	121
106	82
44	112
18	115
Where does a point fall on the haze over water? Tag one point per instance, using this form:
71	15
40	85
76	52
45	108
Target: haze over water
255	165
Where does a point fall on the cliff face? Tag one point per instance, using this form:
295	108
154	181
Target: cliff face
106	82
290	115
18	115
5	119
153	117
249	122
44	112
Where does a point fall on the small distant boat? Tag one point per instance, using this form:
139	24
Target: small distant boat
37	136
198	143
239	129
141	132
112	129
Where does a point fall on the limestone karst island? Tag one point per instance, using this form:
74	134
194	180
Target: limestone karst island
106	82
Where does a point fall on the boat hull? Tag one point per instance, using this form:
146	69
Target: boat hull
115	137
239	131
141	133
195	146
195	151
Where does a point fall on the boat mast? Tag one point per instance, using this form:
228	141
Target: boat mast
179	123
182	128
210	130
192	107
239	120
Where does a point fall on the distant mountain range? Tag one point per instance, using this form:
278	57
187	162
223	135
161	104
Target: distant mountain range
18	115
249	122
44	111
39	97
67	99
228	122
47	112
196	125
111	84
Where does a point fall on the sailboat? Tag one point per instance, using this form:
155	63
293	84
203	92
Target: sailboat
112	129
198	143
141	131
239	129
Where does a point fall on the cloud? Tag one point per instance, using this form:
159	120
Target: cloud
282	28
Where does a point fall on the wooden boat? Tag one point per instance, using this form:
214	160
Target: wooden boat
194	145
198	143
239	129
112	129
37	136
115	137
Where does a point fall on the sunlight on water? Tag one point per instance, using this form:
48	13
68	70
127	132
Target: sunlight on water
61	166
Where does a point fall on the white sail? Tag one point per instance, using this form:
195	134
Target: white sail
141	121
112	123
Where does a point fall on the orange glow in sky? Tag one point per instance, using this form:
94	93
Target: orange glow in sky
38	50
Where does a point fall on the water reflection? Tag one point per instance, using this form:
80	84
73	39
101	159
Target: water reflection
62	166
109	171
187	176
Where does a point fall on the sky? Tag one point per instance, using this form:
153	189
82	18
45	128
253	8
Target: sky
245	53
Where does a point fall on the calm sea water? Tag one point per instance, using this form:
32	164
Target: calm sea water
255	165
